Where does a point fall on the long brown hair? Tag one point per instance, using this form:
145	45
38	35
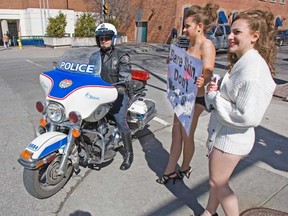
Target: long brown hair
207	15
263	22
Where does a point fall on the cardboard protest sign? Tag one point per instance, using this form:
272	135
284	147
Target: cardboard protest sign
183	70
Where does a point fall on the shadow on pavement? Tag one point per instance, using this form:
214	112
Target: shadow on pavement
270	148
157	159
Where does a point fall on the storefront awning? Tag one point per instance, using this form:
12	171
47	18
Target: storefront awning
222	17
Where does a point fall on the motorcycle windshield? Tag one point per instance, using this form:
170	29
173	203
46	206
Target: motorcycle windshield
81	61
76	82
78	68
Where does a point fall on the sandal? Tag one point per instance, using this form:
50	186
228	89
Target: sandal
186	173
167	177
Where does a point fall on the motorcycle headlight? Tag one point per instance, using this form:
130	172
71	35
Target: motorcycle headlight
101	111
55	112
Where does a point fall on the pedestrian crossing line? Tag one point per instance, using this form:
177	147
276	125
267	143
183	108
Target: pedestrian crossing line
161	121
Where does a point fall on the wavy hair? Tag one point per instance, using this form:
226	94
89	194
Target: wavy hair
207	15
263	22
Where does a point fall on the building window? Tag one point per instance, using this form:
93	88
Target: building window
282	1
273	1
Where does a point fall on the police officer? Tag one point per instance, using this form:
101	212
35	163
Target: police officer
116	67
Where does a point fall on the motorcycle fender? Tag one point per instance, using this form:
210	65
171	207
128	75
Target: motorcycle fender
46	144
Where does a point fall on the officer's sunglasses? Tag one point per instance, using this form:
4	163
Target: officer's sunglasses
104	38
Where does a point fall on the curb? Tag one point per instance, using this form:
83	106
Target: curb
281	91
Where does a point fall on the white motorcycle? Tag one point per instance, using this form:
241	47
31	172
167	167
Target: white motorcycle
76	128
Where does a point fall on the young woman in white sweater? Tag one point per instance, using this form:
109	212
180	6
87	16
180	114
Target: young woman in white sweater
238	105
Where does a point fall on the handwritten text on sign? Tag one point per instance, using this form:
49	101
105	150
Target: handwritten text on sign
183	70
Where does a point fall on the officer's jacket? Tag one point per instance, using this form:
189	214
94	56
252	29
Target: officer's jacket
115	66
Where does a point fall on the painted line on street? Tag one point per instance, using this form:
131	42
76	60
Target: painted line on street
34	63
163	75
161	121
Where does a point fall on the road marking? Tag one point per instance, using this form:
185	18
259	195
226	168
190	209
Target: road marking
34	63
163	75
161	121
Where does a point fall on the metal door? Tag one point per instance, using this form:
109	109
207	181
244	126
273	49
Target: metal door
141	32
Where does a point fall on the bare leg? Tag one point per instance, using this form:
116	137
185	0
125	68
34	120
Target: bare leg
176	146
221	166
189	144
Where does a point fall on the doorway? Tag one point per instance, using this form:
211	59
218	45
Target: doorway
13	31
141	34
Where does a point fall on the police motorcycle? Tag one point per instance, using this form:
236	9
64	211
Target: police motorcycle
76	128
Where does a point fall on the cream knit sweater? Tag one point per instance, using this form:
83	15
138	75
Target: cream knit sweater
240	104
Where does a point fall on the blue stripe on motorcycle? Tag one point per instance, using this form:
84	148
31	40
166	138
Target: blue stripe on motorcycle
77	80
52	148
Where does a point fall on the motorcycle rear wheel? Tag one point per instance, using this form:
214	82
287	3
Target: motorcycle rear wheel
44	182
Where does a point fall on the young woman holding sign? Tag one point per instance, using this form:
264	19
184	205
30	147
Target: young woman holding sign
198	20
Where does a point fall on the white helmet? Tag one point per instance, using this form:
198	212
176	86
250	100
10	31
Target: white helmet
106	29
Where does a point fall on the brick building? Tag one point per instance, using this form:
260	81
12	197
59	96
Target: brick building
159	17
150	21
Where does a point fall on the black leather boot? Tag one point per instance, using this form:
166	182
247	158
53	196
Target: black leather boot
128	155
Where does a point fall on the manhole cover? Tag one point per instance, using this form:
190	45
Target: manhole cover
263	212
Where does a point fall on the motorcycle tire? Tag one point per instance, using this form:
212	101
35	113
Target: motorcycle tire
44	182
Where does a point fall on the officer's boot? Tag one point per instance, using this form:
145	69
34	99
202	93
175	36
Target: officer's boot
128	155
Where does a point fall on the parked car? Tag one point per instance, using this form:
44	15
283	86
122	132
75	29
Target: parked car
182	42
218	35
282	37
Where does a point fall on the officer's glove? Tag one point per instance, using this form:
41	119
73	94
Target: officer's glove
121	89
129	85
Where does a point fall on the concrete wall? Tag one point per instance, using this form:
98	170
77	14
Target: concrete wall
33	21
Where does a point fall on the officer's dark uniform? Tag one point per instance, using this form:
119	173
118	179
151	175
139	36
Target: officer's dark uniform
116	67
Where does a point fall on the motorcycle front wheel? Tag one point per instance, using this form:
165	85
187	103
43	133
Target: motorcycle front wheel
45	182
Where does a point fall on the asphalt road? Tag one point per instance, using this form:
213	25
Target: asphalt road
19	90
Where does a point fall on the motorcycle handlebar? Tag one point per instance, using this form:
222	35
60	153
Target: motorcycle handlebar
119	83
